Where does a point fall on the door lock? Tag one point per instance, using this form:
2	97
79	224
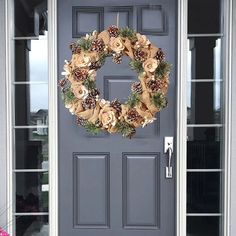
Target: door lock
168	149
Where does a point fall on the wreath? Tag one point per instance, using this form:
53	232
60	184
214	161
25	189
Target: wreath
148	95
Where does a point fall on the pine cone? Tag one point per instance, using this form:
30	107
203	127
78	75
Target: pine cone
94	66
113	31
136	87
131	133
74	48
89	103
160	56
155	85
116	105
62	82
139	55
117	58
81	121
132	115
98	45
94	93
79	75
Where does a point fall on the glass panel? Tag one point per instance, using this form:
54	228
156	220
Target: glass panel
31	60
31	148
204	58
203	226
204	16
204	103
30	17
204	148
203	190
32	225
31	104
32	192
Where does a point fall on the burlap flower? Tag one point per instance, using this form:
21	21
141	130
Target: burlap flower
150	65
116	44
80	91
107	116
142	41
80	60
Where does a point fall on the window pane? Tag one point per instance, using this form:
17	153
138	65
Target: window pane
31	148
204	16
31	104
32	192
204	148
31	60
204	103
30	17
204	58
203	226
203	191
32	225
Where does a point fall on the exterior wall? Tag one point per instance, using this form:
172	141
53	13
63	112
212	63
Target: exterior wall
233	135
3	166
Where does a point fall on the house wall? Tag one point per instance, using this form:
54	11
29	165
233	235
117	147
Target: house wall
233	135
3	167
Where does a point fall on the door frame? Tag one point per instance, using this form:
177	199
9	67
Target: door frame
181	66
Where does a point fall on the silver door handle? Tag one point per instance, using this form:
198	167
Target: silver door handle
169	172
168	149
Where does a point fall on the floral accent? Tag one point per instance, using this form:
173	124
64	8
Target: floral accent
150	65
116	44
107	116
148	95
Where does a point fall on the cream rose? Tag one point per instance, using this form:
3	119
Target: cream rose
80	91
116	44
150	65
107	116
142	41
81	60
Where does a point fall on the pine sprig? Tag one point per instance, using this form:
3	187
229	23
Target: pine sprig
89	83
133	99
163	69
128	33
85	44
92	128
159	100
136	65
68	96
125	129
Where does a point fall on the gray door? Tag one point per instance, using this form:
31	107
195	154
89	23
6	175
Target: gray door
109	185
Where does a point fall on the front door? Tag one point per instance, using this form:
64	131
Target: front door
110	185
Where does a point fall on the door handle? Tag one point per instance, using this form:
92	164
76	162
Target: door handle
168	149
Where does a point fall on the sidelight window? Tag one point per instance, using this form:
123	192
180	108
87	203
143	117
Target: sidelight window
205	119
30	119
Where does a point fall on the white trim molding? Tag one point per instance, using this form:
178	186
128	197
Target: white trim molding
9	11
53	119
232	154
3	120
227	106
181	133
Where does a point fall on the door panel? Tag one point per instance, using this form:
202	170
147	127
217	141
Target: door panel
109	185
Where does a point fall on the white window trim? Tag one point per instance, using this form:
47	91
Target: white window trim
181	117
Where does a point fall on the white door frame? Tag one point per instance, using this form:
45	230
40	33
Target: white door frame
181	115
